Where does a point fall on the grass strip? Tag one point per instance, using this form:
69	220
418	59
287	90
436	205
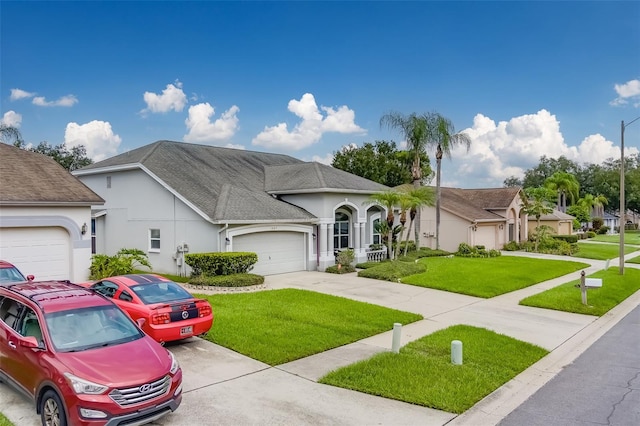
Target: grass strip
633	260
630	237
488	277
601	251
422	373
4	421
566	297
279	326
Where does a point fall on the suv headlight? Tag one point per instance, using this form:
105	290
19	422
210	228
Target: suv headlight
81	386
174	363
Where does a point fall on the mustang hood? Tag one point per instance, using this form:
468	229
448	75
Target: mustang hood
129	363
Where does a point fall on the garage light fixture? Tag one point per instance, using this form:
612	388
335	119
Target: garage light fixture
84	228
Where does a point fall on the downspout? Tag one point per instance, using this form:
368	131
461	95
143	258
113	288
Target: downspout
226	226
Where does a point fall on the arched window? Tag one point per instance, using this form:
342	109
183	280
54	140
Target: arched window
375	234
341	231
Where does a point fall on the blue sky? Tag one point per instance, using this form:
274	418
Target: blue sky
522	79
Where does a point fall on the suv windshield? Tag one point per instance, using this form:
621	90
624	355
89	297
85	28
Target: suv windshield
87	328
11	275
160	292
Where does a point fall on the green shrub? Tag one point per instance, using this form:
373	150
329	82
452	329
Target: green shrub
392	271
232	280
512	246
220	263
591	234
367	265
344	269
603	230
427	252
597	222
567	238
345	257
465	250
410	248
126	261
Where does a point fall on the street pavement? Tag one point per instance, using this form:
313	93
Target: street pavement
601	387
224	387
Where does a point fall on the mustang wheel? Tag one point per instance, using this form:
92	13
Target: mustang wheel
52	410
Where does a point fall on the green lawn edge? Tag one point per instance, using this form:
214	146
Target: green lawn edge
422	373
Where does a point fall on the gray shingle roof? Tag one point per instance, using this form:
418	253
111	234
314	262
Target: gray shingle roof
32	178
230	184
555	215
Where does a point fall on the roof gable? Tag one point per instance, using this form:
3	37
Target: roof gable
478	204
34	178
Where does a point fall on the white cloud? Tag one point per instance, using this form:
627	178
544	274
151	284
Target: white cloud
327	159
172	98
65	101
234	146
96	136
630	91
12	119
312	126
509	148
20	94
201	129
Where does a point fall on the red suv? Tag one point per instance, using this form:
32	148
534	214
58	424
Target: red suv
82	360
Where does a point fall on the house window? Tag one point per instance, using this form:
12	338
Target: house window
108	181
375	236
154	240
341	231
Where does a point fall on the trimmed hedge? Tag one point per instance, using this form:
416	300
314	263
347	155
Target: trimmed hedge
220	263
568	238
345	269
393	271
233	280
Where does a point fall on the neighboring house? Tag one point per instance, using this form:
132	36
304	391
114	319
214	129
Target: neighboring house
561	223
171	198
612	221
489	217
45	216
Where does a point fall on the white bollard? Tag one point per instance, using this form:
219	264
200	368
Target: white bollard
456	352
395	342
606	265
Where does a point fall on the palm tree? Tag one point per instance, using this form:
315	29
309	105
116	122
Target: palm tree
414	199
387	199
565	184
415	131
536	203
444	137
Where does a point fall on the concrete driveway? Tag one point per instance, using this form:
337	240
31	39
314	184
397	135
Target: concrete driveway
224	387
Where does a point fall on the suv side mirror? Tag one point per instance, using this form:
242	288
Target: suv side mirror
141	322
30	277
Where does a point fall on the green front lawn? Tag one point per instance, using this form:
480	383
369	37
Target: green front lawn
422	373
5	421
630	237
601	251
279	326
633	260
488	277
615	288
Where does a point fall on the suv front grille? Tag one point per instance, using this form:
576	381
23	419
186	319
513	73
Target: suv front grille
142	393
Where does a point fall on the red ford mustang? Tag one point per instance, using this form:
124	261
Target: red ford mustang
169	311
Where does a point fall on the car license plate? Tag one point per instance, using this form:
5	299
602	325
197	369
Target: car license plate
186	330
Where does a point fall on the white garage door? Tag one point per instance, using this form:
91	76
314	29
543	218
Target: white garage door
43	252
278	252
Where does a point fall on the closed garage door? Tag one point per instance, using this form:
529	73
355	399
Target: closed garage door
278	252
43	252
486	236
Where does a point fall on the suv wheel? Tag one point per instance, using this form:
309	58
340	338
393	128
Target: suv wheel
52	410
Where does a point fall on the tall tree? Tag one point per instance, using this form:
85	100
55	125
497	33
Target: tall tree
380	162
387	199
565	185
444	137
413	199
593	204
415	130
512	182
537	203
546	168
10	134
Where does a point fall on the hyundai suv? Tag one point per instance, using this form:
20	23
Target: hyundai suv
80	359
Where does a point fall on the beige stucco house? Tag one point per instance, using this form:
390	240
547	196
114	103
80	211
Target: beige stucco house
560	222
489	217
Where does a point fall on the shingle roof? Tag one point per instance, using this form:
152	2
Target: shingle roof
477	204
32	178
230	184
555	215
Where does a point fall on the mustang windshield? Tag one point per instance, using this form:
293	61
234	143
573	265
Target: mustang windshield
11	275
161	292
87	328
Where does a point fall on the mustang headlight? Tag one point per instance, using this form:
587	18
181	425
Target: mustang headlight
81	386
174	363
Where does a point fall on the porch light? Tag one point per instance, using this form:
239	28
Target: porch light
83	229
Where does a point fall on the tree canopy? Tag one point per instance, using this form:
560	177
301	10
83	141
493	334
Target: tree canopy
380	162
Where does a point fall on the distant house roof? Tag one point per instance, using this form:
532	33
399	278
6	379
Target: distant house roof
478	204
555	215
232	185
30	178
